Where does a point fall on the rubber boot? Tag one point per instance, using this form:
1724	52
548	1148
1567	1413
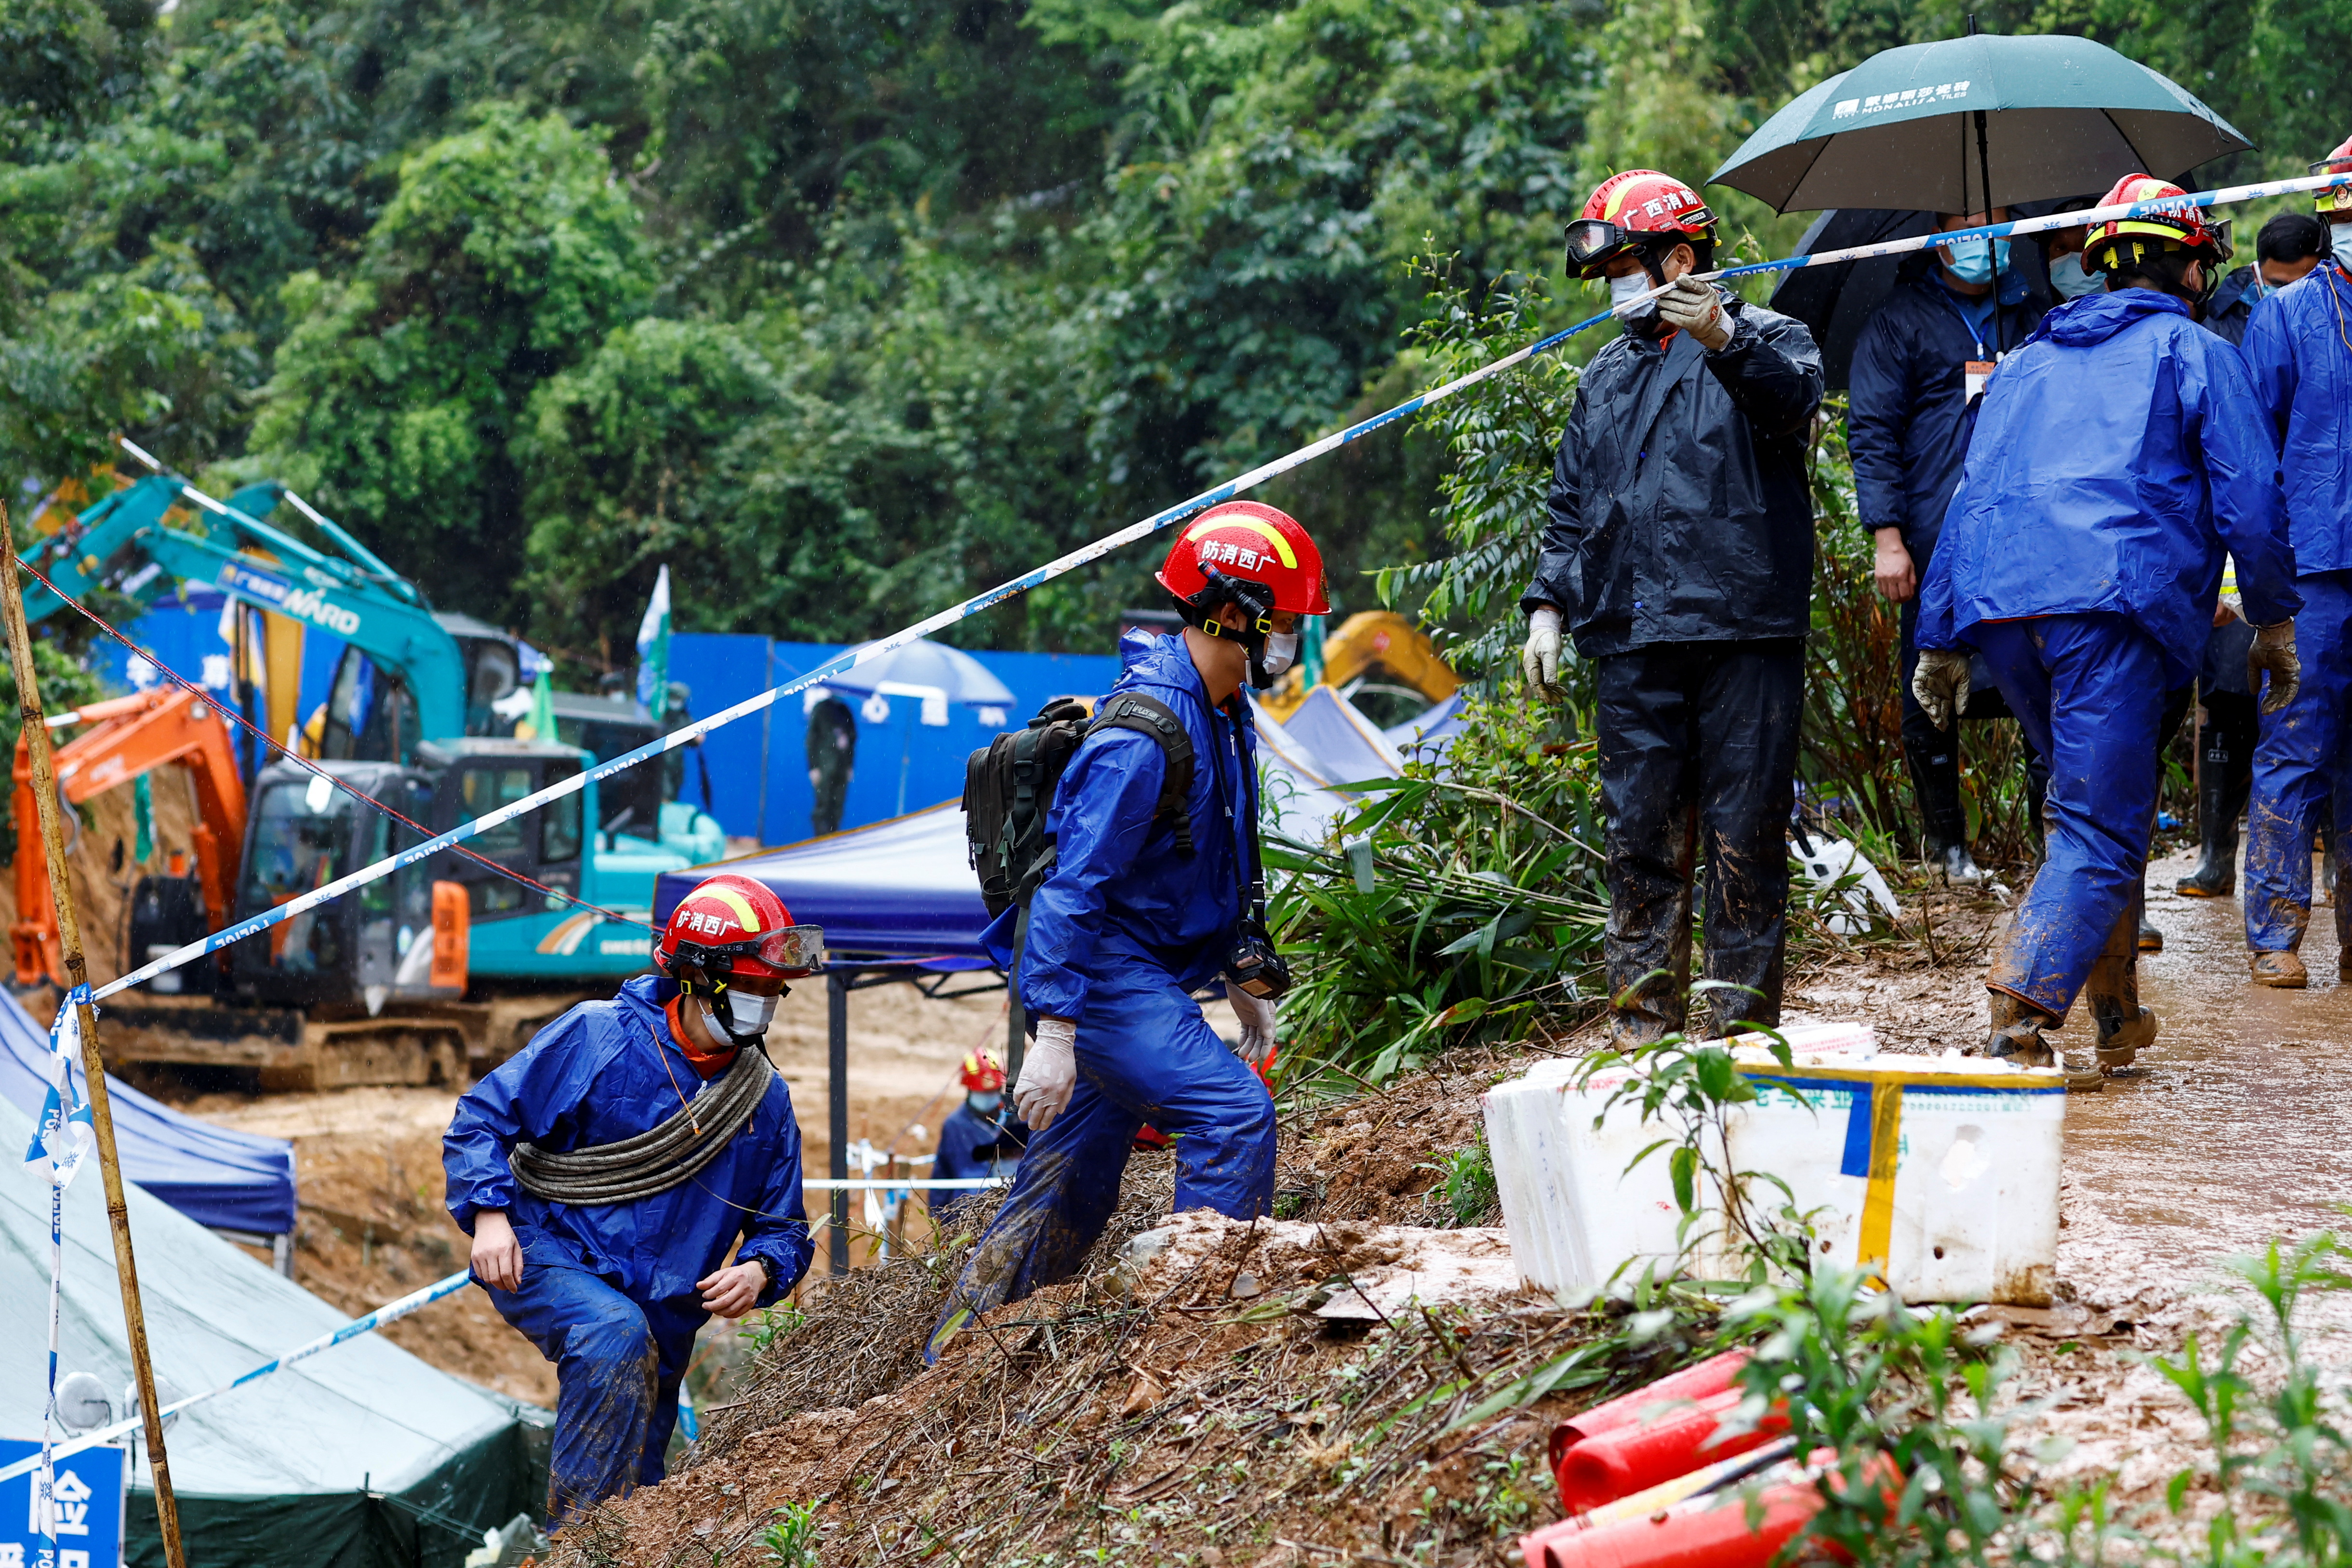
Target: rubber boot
1960	869
2111	994
2016	1033
2282	971
2216	876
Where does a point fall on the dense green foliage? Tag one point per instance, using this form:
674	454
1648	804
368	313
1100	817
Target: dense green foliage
844	308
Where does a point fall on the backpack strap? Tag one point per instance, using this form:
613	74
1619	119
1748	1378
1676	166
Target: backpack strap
1150	716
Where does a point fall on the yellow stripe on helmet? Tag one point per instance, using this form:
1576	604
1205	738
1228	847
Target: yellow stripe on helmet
1273	534
736	902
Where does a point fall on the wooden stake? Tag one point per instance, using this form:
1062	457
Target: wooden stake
117	1212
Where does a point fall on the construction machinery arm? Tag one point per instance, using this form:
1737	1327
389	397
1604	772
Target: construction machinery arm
131	736
139	540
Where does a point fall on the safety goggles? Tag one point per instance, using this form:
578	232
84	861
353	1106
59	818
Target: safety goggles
787	948
1595	242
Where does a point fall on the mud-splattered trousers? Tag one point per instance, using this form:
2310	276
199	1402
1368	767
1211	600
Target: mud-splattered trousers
2301	753
2089	690
1146	1057
617	1366
1698	752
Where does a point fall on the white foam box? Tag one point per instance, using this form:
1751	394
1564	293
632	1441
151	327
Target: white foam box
1938	1173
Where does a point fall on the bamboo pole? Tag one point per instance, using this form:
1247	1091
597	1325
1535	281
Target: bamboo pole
117	1212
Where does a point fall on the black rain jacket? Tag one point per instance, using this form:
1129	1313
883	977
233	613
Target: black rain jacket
1907	418
1680	508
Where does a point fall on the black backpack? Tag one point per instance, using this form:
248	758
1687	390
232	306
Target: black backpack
1008	787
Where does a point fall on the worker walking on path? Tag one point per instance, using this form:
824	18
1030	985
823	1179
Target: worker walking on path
1918	368
2299	349
607	1171
1149	900
2118	453
1679	555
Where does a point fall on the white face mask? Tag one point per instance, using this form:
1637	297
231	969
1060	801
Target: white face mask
2340	234
986	1101
739	1015
1281	651
1621	289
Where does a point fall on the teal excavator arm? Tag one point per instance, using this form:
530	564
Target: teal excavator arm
126	543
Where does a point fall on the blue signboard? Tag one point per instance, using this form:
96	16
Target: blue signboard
90	1493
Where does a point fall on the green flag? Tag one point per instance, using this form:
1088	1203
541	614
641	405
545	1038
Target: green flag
653	650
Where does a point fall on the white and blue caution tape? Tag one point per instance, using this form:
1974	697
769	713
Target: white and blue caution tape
389	1312
62	1138
1086	555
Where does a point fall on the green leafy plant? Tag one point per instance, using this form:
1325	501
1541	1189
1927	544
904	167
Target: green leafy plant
763	1329
791	1537
1470	1190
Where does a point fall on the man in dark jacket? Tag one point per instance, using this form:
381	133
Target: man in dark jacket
2118	455
979	1139
2287	248
1918	368
1679	554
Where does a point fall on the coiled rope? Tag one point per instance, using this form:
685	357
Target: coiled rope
658	1159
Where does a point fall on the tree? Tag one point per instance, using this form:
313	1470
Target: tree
506	256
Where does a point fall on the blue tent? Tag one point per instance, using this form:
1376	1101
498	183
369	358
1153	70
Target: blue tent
230	1181
899	890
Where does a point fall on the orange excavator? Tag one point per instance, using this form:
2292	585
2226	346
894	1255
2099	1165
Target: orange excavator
130	736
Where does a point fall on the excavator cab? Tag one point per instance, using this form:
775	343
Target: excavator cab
371	716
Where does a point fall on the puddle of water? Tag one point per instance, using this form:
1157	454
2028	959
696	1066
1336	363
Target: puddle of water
2236	1132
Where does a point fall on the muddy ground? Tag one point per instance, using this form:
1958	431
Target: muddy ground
1195	1423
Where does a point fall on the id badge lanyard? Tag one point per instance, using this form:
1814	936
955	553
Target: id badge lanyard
1978	370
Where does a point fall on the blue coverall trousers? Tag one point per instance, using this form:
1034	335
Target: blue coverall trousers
1146	1057
2296	761
618	1363
2089	690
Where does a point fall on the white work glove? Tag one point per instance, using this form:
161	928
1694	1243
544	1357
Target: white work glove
1257	1015
1540	658
1695	308
1049	1073
1940	684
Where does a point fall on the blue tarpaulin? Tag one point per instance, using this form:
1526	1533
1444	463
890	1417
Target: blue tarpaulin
230	1181
901	889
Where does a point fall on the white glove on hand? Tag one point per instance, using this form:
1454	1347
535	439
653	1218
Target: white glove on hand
1257	1015
1049	1073
1540	658
1695	308
1940	684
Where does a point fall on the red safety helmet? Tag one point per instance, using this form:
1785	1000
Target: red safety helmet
2336	202
980	1073
734	927
1244	542
2122	242
1640	211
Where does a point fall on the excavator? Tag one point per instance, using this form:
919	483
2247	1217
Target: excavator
1379	661
448	965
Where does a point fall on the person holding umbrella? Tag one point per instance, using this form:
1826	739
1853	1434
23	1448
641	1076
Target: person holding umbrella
1918	368
1679	555
2299	350
2116	455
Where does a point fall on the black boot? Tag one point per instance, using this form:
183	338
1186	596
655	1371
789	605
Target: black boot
2221	797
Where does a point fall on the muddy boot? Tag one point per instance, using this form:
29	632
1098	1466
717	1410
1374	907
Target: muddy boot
2216	876
1960	869
2282	970
2111	992
2016	1033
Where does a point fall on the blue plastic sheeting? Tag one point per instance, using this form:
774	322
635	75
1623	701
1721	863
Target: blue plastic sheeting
230	1180
724	668
1432	732
1345	743
185	634
901	889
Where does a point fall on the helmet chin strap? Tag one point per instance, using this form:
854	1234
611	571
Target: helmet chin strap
1256	603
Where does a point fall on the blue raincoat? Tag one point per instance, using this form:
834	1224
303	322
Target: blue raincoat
2116	455
2122	458
2299	349
973	1142
608	1291
1120	937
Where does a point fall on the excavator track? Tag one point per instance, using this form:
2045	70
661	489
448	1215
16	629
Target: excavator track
448	1044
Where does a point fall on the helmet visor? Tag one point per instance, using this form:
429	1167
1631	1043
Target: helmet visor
794	947
1595	242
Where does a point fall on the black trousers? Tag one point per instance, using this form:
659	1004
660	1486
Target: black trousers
1698	753
1935	754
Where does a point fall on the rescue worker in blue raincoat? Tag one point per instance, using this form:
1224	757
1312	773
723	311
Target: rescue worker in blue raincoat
607	1254
2118	455
2299	350
1919	365
979	1139
1128	925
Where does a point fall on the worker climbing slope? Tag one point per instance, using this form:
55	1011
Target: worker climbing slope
2116	455
2299	350
1679	555
607	1170
1148	900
